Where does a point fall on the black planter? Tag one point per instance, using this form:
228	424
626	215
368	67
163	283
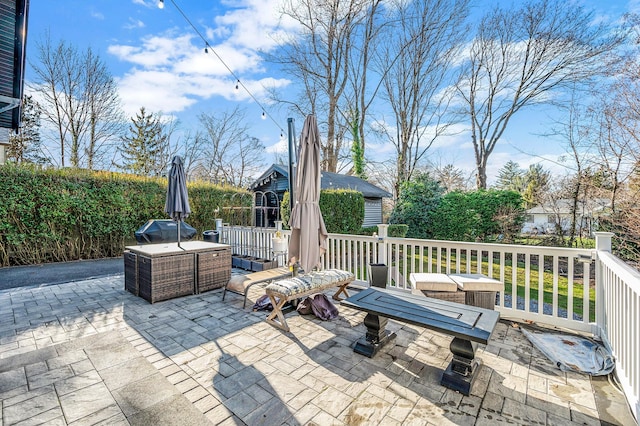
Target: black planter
378	275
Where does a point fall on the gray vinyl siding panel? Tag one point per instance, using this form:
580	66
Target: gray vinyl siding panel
372	212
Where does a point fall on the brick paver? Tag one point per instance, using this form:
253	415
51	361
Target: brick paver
89	352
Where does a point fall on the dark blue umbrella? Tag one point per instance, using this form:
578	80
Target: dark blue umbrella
177	204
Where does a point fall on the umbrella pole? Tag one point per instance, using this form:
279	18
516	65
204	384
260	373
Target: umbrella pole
179	223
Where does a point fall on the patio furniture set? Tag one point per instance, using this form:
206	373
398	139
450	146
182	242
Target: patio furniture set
460	305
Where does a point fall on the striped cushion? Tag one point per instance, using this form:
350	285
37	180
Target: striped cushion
304	283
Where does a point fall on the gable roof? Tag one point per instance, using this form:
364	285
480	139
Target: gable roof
13	39
328	180
565	205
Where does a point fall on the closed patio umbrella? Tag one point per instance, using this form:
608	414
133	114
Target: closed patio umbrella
308	233
177	203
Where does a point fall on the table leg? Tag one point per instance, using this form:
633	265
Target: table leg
461	371
376	337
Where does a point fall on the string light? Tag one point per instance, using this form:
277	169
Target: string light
206	50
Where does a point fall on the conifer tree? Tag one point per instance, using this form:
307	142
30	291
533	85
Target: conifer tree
143	146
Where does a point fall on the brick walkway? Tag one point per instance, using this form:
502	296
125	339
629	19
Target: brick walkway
88	352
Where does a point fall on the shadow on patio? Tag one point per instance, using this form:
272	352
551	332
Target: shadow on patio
234	368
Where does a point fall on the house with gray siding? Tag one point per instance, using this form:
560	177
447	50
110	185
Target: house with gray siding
270	187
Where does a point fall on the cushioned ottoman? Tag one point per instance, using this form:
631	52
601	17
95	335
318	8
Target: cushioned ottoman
287	289
432	282
479	289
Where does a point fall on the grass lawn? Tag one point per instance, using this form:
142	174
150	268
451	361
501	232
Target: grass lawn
563	292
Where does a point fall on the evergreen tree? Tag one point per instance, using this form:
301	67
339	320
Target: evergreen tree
25	146
417	201
142	148
510	177
536	181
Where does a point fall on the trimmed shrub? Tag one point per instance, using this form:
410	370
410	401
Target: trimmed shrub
71	214
342	210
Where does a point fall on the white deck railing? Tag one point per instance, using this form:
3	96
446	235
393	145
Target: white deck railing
618	299
604	300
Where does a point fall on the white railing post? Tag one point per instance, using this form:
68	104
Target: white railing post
603	243
383	233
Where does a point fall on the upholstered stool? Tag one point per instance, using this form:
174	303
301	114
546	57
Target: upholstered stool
479	289
437	286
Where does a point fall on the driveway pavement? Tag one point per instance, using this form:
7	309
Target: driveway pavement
58	273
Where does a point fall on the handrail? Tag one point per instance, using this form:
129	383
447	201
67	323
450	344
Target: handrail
620	323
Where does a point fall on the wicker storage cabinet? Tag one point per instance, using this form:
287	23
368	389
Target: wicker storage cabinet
481	299
449	296
166	277
131	272
163	271
213	268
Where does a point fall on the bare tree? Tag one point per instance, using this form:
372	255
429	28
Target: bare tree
231	156
419	54
318	56
25	145
451	178
518	57
361	96
79	98
574	190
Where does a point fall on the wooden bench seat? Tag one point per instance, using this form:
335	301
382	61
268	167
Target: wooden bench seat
285	290
469	325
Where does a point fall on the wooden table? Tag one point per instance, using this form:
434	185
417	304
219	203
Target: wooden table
468	325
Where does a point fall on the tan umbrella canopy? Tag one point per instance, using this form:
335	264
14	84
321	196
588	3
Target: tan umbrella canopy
308	234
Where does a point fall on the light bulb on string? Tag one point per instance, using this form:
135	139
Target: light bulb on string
207	47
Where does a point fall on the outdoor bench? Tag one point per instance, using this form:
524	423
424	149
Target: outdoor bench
240	284
469	325
285	290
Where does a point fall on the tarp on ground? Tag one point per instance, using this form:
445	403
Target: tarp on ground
573	353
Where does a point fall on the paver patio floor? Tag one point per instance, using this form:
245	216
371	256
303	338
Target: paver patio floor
89	352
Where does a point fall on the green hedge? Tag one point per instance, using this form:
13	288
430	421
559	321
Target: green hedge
62	215
484	215
342	210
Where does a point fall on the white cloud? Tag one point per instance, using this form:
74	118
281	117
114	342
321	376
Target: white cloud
171	92
171	72
254	24
155	51
133	24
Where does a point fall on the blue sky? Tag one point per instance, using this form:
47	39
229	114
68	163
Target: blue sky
160	63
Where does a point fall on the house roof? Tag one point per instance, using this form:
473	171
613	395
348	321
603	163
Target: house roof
564	206
13	39
328	180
